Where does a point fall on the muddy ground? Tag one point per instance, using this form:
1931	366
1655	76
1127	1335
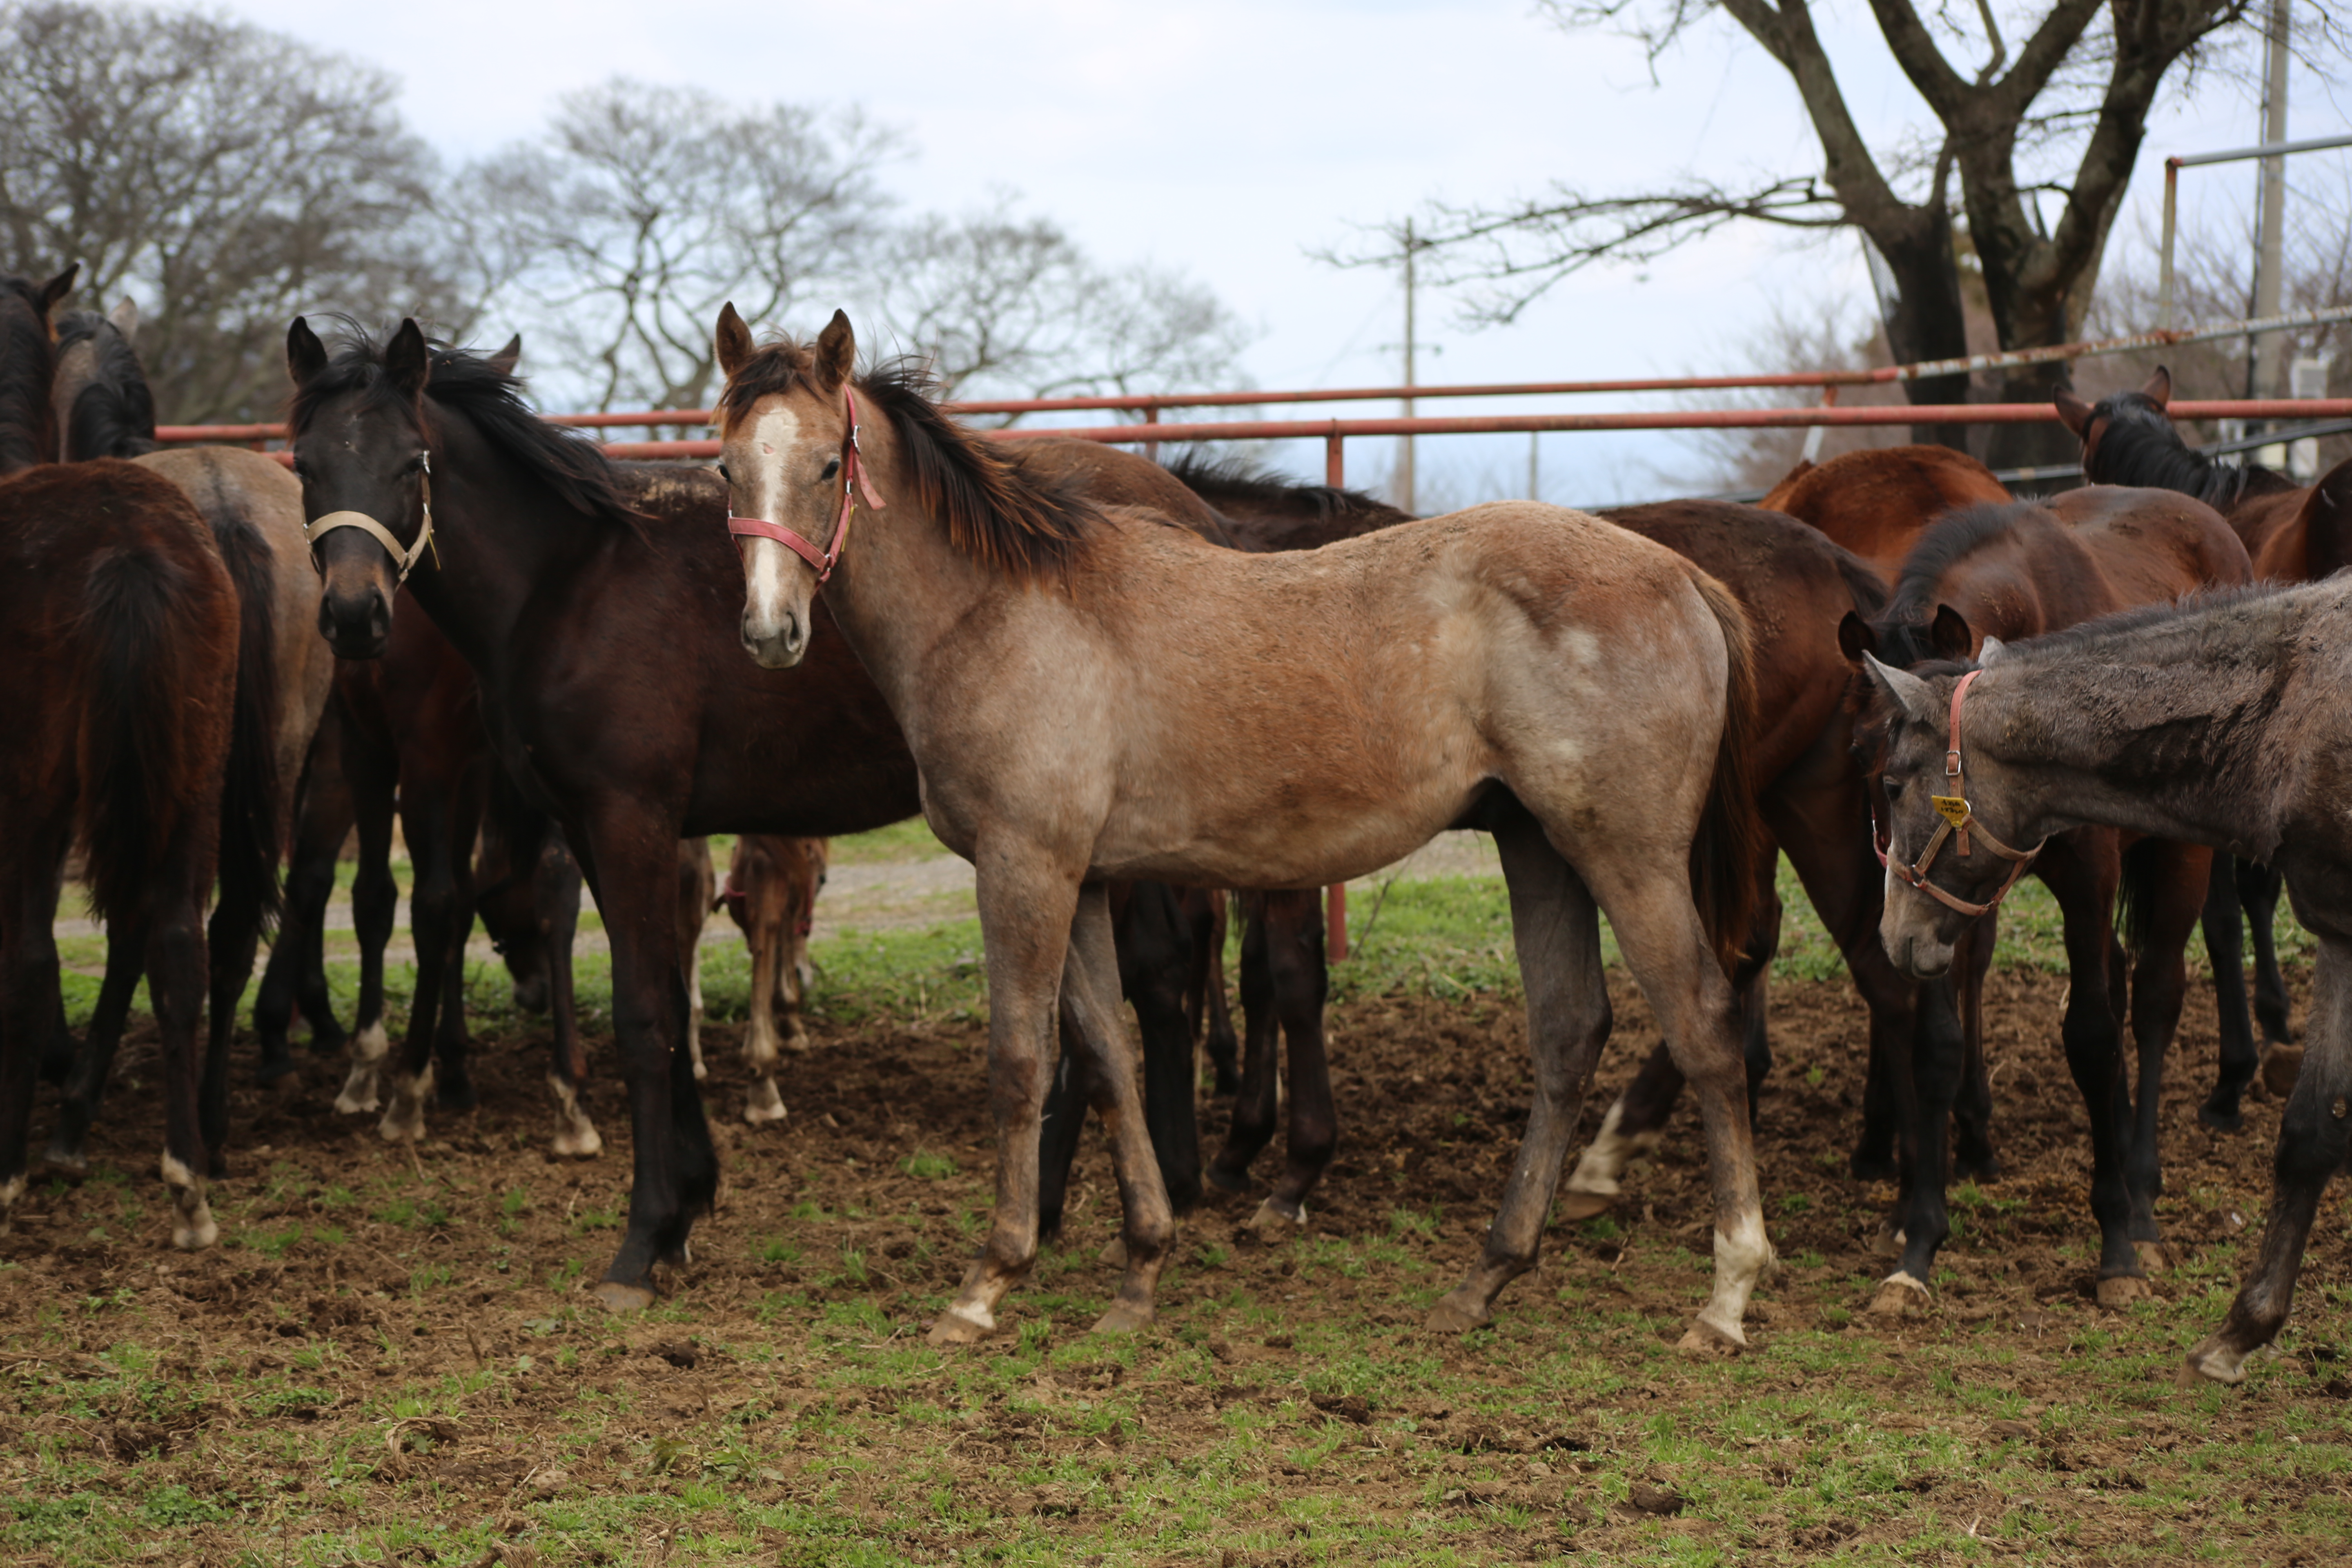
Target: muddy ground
390	1358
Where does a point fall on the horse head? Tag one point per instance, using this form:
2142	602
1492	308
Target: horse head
2139	417
361	449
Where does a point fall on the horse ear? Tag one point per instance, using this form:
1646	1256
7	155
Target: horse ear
407	363
2072	410
2158	389
1949	636
57	289
1855	639
732	340
125	318
1993	648
306	357
507	358
1908	691
836	350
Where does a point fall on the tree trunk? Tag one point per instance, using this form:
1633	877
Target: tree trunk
1924	321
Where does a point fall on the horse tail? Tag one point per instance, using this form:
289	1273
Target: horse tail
2137	891
1731	837
252	795
141	750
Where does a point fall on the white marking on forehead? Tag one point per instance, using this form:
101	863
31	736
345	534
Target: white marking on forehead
777	426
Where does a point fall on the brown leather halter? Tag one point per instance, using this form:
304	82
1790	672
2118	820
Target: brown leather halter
854	483
1958	819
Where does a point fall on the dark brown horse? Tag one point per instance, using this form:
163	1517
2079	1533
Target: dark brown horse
2018	571
2220	723
2296	533
119	654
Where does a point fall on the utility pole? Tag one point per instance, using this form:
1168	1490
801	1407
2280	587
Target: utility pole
2268	359
1404	477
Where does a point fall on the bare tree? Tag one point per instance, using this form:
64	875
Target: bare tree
1012	307
2041	134
227	176
647	207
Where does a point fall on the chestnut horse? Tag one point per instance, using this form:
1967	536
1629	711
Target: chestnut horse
1876	501
2022	570
771	894
2296	533
1097	694
2217	724
119	658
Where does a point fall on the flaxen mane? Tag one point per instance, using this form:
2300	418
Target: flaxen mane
1025	525
571	465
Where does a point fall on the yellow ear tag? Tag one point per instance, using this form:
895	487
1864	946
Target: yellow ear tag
1954	808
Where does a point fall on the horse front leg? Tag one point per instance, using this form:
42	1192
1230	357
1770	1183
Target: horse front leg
2314	1141
2084	878
1251	1126
555	900
372	771
1026	906
1154	965
633	865
2179	876
2258	894
29	988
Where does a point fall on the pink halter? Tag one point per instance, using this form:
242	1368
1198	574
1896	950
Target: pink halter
1959	818
854	483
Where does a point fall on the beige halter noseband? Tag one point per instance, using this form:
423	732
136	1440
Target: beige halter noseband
407	556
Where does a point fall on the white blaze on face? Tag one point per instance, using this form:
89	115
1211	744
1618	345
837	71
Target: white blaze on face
768	566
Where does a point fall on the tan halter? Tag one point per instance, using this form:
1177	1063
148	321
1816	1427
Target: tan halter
406	555
1959	819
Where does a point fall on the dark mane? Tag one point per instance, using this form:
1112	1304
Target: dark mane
462	383
2141	447
1232	479
1019	523
1903	624
28	428
114	416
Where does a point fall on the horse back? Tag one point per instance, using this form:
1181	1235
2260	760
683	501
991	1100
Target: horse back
1875	501
2153	544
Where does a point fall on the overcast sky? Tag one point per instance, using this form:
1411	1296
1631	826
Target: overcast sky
1229	139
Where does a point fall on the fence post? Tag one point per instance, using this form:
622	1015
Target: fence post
1335	899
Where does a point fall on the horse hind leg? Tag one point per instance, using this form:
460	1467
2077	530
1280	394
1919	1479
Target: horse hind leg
375	901
2180	879
1556	927
1302	983
555	897
2225	948
2258	894
126	961
2314	1142
763	1044
1255	1096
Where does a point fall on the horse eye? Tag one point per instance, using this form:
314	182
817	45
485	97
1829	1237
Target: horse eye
1893	788
724	475
831	468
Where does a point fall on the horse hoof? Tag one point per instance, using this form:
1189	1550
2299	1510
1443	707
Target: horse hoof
1124	1318
1900	1296
1873	1167
581	1146
71	1164
1984	1170
963	1326
2219	1120
2154	1256
2213	1361
764	1104
618	1297
358	1102
1272	1226
1455	1315
1889	1241
1575	1206
2281	1064
1703	1340
2119	1291
1226	1180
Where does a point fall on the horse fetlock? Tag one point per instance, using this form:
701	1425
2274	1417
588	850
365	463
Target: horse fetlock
1272	1225
2218	1359
963	1323
1124	1317
2154	1256
764	1103
1592	1187
404	1121
1708	1339
1460	1310
576	1137
1890	1240
1900	1296
192	1229
65	1157
362	1090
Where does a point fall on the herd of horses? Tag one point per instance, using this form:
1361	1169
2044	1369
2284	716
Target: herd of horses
1112	686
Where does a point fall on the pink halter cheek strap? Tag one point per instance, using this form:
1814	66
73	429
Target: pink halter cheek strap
854	484
1914	874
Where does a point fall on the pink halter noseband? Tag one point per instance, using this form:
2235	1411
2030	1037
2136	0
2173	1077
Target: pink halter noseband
854	483
1958	819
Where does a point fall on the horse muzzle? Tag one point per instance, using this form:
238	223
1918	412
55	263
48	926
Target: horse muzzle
356	620
777	643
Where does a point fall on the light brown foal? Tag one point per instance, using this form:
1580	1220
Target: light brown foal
1094	695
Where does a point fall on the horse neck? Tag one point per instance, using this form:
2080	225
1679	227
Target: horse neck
901	585
499	534
2150	740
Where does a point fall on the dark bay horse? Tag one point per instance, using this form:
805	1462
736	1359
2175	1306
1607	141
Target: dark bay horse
2296	533
551	571
1096	695
118	656
2022	570
2221	723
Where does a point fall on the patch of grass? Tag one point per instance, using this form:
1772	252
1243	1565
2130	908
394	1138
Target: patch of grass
924	1165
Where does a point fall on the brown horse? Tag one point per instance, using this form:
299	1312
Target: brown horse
119	656
1876	501
2218	723
2296	533
771	894
1098	694
2017	571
